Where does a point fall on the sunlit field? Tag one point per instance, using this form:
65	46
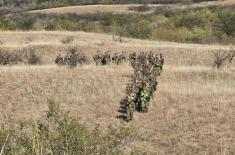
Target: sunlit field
192	111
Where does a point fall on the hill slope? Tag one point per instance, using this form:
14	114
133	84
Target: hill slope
49	44
126	8
192	110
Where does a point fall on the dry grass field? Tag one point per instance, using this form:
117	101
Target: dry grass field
50	44
193	110
125	8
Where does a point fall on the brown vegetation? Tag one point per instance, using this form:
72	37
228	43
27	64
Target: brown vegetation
222	58
129	8
193	110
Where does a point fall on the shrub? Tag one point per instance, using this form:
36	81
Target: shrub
67	24
198	1
72	58
28	56
27	23
4	11
225	23
8	24
191	20
59	133
119	32
139	29
67	40
141	8
177	35
220	58
198	25
199	34
7	58
50	25
25	55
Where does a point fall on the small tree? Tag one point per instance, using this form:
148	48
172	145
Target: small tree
67	40
118	32
225	23
8	58
28	56
220	58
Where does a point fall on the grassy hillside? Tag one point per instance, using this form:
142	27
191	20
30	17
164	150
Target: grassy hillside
54	109
211	22
50	44
191	112
16	5
127	8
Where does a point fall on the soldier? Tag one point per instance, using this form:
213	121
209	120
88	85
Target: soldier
162	60
123	56
154	82
103	59
73	59
145	95
97	57
59	60
139	88
82	58
149	89
114	58
119	59
129	113
130	106
67	58
132	58
107	57
147	66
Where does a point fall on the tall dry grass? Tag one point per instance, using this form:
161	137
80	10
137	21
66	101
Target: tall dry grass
49	44
192	112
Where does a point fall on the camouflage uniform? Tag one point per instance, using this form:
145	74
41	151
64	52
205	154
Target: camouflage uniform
97	58
147	66
130	107
59	60
114	58
145	97
67	58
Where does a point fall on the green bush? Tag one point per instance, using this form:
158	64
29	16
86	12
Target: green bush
141	8
204	25
66	24
225	23
191	20
8	24
139	29
177	35
59	133
199	35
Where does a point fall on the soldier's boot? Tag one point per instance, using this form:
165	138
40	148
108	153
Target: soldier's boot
138	106
131	114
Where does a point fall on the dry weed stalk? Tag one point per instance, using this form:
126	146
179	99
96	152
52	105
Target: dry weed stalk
220	58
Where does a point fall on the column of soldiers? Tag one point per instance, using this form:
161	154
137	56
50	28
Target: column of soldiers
71	59
147	66
106	58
